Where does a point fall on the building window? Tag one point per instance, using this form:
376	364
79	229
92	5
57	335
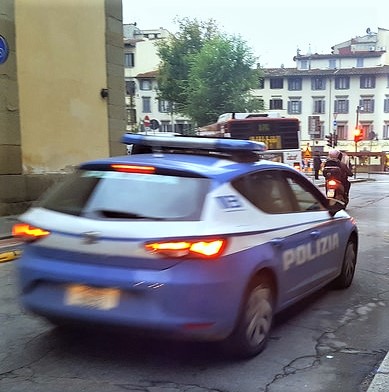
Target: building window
261	83
386	131
360	62
386	104
367	104
342	82
276	83
367	81
295	84
164	106
129	60
366	128
275	104
130	87
318	106
341	105
342	131
131	115
332	63
146	104
318	83
304	64
294	106
145	84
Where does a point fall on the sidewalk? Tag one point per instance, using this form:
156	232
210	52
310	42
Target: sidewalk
380	381
10	249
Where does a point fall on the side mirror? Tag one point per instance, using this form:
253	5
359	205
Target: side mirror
335	206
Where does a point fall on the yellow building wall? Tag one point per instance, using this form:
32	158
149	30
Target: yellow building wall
61	62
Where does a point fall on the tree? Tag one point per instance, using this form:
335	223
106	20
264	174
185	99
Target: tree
220	80
176	54
206	73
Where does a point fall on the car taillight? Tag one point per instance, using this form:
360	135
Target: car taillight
208	249
133	169
331	182
27	232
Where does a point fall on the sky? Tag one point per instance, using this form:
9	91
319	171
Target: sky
273	32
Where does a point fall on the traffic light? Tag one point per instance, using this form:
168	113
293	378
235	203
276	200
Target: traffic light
358	136
329	140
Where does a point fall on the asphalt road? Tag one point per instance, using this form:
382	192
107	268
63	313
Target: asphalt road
332	342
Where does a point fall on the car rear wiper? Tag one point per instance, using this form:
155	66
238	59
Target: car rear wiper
126	215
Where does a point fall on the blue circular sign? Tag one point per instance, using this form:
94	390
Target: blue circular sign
4	50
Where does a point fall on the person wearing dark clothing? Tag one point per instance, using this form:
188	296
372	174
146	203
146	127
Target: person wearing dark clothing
316	165
335	160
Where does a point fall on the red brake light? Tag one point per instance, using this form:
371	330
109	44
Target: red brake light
27	232
209	249
133	169
331	182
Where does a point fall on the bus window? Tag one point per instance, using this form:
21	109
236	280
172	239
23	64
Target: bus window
280	134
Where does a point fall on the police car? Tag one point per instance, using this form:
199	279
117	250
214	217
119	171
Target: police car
193	238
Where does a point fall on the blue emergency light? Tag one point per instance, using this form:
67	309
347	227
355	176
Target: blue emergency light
196	143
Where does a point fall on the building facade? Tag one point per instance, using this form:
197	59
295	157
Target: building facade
336	93
62	95
331	93
141	63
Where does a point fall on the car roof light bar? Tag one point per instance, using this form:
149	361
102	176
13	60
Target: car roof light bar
185	142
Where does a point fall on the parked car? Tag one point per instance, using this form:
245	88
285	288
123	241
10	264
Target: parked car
193	238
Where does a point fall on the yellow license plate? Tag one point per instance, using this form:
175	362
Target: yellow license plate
91	297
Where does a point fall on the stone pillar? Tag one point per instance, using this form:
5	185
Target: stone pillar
10	140
115	76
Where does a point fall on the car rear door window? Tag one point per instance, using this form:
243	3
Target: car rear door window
277	192
109	195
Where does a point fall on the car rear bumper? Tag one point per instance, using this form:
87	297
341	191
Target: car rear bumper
182	301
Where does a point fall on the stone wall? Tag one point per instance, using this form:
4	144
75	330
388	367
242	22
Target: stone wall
115	75
18	186
18	192
10	139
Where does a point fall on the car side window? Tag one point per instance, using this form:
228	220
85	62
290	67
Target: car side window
305	200
268	191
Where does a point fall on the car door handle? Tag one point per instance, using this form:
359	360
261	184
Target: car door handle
315	234
277	242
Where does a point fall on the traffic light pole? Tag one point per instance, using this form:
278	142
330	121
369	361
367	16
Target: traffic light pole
356	142
355	160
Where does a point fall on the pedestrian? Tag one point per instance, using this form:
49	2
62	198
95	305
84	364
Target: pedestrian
316	165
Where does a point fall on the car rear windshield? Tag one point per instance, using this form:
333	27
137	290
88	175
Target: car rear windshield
117	195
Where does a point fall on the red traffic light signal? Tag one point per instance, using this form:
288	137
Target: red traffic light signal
358	136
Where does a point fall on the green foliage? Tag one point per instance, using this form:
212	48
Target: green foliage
206	73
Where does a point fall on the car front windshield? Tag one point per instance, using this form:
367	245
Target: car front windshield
116	195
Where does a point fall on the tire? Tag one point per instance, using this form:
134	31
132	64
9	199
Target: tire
344	280
254	324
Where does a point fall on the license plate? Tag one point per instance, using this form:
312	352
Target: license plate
91	297
331	193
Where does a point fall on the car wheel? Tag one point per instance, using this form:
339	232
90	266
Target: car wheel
252	331
348	267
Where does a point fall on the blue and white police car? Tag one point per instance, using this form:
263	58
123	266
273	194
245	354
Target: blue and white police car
194	238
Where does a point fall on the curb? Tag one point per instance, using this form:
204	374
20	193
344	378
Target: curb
381	379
